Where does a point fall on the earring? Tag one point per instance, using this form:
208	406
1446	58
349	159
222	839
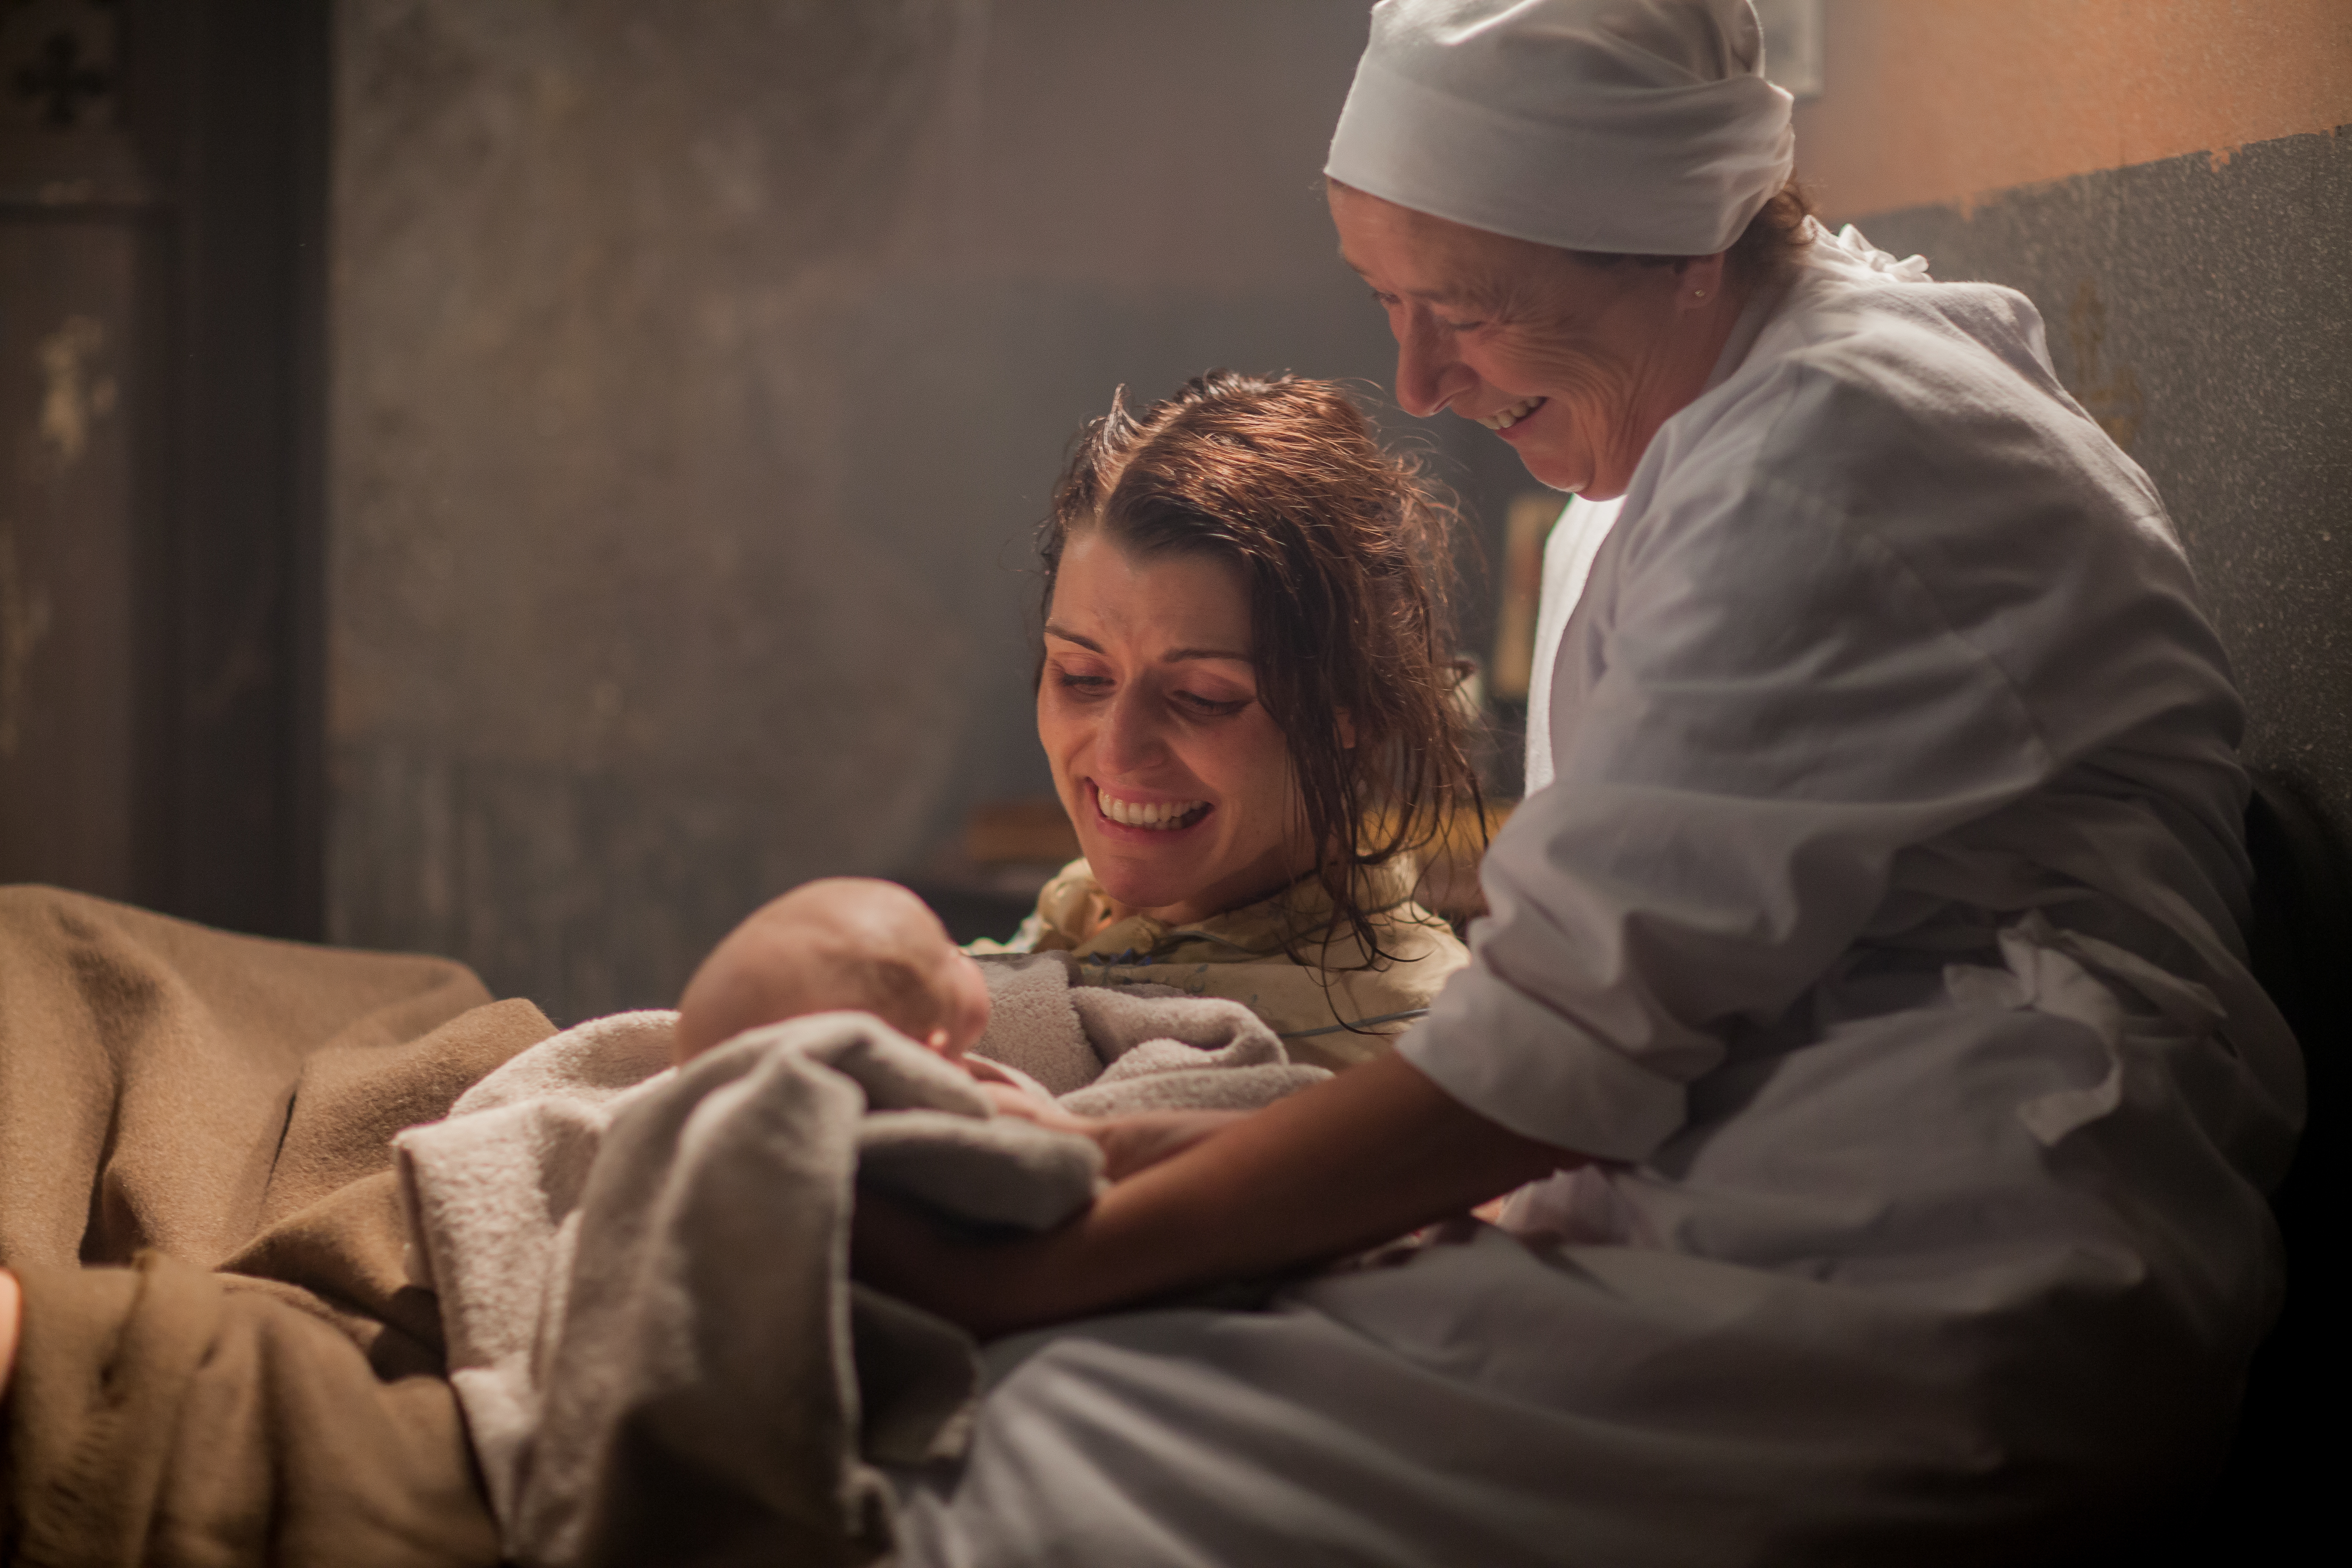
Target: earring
1698	293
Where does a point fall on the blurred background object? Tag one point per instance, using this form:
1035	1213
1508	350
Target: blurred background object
530	481
1793	45
984	883
162	180
1449	866
1525	526
1034	832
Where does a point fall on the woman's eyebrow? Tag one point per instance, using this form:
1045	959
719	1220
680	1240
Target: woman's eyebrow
1172	656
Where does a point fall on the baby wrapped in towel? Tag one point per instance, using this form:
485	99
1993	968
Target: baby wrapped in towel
858	944
642	1274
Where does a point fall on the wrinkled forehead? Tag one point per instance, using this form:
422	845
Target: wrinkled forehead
1434	260
1174	603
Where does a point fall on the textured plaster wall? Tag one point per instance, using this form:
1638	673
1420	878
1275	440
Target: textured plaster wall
2166	179
2200	313
700	371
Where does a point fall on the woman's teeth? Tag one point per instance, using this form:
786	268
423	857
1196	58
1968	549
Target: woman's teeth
1139	813
1504	418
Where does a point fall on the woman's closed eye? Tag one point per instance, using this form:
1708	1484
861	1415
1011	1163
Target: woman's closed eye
1090	684
1211	707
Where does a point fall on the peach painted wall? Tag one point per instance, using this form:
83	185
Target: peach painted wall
1947	102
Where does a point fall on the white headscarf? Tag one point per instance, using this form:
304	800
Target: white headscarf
1641	126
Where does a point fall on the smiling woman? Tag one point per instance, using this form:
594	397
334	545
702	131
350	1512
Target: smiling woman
1165	761
1247	695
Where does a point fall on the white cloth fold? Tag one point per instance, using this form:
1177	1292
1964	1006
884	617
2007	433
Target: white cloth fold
643	1273
1109	1052
645	1291
1568	555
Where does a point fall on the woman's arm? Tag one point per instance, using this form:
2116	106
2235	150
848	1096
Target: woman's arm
1331	1170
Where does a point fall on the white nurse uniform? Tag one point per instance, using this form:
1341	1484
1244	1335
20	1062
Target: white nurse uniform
1878	937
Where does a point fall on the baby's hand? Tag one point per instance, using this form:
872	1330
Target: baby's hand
1012	1095
1129	1143
1010	1101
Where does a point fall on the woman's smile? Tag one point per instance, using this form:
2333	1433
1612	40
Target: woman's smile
1149	815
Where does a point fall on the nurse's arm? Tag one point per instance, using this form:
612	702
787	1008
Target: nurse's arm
1345	1165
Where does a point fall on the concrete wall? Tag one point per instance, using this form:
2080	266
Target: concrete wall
2167	181
700	371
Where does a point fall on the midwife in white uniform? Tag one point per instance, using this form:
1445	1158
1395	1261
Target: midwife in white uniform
1864	994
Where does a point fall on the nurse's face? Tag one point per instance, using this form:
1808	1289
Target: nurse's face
1575	366
1176	778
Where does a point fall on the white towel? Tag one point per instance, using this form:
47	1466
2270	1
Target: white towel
1109	1052
643	1273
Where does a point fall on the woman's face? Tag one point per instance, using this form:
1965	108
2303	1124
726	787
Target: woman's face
1574	365
1177	779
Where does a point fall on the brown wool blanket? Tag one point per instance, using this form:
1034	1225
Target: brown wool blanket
223	1358
236	1350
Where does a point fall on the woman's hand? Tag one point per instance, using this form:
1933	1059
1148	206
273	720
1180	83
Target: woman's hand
1375	1153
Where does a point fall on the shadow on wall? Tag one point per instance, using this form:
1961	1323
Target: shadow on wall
2196	308
702	372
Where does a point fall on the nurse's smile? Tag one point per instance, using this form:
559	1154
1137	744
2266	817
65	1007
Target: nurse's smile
1504	421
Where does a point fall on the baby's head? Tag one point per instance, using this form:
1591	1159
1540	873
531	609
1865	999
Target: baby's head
845	943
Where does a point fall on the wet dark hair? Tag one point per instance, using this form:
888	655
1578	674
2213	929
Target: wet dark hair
1766	254
1346	547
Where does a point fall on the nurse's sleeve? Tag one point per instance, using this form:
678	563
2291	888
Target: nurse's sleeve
1782	706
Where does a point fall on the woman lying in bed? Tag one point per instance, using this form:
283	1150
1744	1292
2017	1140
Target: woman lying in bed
1247	701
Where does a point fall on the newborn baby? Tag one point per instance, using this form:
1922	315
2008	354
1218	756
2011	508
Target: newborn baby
843	944
856	944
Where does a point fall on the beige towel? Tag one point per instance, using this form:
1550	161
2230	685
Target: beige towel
1105	1052
643	1273
1031	1023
